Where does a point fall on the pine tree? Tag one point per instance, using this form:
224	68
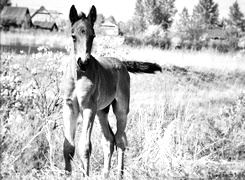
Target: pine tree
139	15
190	27
168	11
207	12
184	20
236	17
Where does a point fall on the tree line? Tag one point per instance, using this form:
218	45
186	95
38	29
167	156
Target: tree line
205	13
188	27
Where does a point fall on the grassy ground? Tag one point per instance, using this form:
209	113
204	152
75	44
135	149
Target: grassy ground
186	122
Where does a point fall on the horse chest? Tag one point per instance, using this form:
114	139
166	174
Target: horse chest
85	89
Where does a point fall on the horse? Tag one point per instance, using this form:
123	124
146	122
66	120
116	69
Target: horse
90	87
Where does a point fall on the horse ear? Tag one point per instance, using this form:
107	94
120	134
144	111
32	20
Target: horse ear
73	15
92	16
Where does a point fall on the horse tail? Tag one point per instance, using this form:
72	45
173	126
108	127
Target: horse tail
142	67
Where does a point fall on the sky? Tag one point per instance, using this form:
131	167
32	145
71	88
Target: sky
122	10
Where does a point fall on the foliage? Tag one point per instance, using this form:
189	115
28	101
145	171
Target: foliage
4	3
241	43
156	37
153	36
139	15
30	110
229	146
236	17
131	27
189	119
207	12
190	30
154	12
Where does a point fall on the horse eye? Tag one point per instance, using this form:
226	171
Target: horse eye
83	31
73	37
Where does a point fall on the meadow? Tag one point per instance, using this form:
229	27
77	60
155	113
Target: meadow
187	122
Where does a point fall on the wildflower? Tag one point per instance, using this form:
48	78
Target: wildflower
17	79
5	92
68	48
34	71
40	48
16	66
22	52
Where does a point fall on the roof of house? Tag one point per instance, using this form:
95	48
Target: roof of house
41	10
216	34
44	25
108	24
14	13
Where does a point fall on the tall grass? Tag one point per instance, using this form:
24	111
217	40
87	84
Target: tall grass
34	38
186	122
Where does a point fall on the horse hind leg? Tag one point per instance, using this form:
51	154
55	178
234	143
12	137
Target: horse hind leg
70	114
120	109
107	140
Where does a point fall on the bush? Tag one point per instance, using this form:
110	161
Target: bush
154	36
241	42
157	37
30	108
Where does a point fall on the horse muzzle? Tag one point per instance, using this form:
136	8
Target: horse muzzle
83	65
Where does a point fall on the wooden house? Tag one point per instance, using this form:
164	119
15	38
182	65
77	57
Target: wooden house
15	17
51	26
109	28
46	19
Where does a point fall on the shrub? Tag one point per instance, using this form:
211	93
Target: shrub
157	37
154	36
30	103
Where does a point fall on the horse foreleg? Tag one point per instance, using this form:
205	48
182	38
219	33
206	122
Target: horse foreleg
70	114
85	146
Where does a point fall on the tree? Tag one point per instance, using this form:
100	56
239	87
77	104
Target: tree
184	20
139	15
154	12
207	12
4	3
236	17
190	27
166	12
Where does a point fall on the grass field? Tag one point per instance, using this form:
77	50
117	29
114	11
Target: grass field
186	122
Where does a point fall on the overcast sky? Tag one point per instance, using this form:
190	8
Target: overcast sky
122	10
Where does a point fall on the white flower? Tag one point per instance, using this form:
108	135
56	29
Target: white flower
18	79
16	66
22	52
5	92
34	71
40	48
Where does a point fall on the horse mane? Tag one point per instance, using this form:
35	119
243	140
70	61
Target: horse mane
81	15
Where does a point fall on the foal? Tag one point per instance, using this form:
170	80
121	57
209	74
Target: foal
90	87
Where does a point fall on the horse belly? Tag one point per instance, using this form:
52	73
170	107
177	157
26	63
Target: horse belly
105	100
